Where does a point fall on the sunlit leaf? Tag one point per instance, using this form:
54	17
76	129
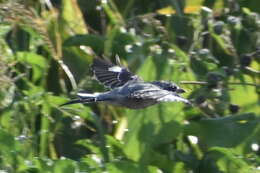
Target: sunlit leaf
64	165
73	17
128	167
188	9
37	62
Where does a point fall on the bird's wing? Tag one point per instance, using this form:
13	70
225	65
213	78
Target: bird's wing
171	97
146	91
158	94
111	75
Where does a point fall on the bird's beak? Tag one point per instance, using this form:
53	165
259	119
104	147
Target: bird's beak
179	90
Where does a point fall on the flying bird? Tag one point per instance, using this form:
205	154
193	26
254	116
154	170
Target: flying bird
127	89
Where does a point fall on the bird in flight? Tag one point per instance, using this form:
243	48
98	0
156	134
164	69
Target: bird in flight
127	89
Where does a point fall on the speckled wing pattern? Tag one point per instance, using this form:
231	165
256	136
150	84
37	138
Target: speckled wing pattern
157	94
111	75
173	98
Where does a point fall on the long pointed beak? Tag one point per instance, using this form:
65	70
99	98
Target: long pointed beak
179	90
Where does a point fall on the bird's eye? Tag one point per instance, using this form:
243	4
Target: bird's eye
174	88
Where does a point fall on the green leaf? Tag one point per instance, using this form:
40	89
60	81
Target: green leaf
249	101
37	62
77	61
228	131
116	42
129	167
112	12
217	158
96	42
73	17
221	50
89	145
7	141
32	59
252	5
65	165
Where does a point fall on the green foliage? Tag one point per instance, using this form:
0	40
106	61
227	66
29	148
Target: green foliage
210	48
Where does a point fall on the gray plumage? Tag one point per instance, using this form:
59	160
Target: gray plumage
128	90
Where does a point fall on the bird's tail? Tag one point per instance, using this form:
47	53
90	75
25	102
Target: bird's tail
83	98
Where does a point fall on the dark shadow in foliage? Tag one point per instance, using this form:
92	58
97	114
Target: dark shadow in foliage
180	30
208	164
77	61
66	138
18	40
52	82
96	42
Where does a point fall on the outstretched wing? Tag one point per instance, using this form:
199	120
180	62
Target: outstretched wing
150	92
173	98
111	75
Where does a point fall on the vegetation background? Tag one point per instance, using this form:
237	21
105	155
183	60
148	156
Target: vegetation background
211	48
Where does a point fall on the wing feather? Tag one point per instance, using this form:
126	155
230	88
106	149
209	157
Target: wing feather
111	75
158	94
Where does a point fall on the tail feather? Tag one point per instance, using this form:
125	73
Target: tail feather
72	102
83	98
87	95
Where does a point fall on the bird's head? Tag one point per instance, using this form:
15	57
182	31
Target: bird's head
174	88
170	86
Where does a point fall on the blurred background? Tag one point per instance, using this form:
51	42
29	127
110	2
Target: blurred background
211	48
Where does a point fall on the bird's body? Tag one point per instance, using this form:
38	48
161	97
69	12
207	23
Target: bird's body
126	96
127	89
